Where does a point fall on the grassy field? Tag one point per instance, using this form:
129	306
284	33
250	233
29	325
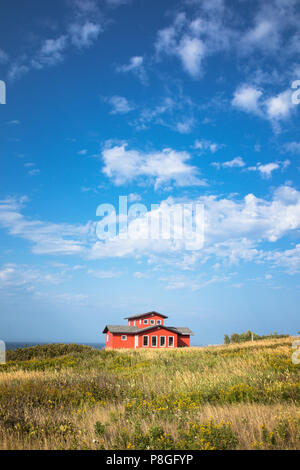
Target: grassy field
243	396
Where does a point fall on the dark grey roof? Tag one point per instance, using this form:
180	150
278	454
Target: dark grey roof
124	329
182	330
121	329
144	314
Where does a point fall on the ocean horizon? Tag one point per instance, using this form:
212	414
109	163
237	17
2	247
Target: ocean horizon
12	345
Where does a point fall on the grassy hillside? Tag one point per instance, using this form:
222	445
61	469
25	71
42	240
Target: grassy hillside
242	396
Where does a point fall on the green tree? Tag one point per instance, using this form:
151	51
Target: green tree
226	339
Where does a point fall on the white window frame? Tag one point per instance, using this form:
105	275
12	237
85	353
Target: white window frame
154	336
123	337
152	322
160	342
145	322
158	322
171	346
146	346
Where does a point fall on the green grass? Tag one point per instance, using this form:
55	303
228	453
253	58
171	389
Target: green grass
75	397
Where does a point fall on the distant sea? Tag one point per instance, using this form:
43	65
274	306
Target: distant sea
13	346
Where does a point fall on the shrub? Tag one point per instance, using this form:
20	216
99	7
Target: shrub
207	436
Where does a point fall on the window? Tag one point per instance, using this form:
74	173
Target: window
107	338
153	341
162	341
145	322
152	322
145	341
134	323
171	341
158	322
124	338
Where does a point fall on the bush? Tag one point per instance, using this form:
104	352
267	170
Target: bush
208	436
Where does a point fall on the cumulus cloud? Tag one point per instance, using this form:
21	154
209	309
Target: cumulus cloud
279	106
163	168
267	169
274	108
235	230
247	98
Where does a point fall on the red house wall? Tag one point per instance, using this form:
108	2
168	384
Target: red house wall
116	342
158	333
139	322
184	341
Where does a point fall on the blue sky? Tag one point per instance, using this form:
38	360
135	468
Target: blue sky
165	102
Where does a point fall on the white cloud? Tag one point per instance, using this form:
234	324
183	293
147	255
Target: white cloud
82	31
136	66
204	145
274	108
45	237
3	57
186	126
33	172
191	52
16	70
134	197
247	99
235	230
139	275
134	63
14	122
120	105
280	106
162	168
51	52
293	147
82	152
267	169
288	259
25	277
264	36
102	274
116	3
192	40
175	112
237	162
84	35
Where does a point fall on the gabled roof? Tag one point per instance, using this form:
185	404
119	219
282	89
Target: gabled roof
134	317
124	329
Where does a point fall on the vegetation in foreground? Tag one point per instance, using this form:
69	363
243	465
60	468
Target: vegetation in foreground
237	396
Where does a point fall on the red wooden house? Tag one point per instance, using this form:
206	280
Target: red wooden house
146	330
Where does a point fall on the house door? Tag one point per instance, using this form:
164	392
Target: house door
136	341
